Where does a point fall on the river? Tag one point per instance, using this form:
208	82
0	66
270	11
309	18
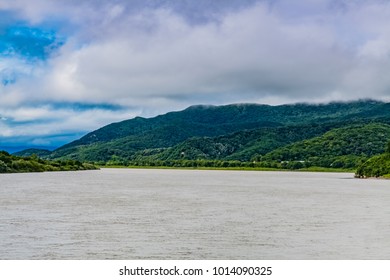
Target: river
193	214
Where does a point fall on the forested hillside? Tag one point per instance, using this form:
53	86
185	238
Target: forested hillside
335	135
344	147
322	146
243	146
219	120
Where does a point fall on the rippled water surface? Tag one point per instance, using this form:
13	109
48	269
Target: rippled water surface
193	214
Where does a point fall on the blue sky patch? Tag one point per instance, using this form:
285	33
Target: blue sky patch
29	43
77	106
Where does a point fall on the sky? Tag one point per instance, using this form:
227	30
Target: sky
68	67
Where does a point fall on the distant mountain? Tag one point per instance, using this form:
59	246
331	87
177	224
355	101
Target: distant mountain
297	135
13	149
30	152
128	139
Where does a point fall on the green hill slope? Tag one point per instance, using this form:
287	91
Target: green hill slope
344	147
242	146
219	120
158	137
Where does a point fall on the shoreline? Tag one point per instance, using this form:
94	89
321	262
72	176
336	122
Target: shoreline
384	177
317	169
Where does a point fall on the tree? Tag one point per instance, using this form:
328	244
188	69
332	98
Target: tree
3	167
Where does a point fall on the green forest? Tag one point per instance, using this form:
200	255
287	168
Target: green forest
15	164
377	166
336	136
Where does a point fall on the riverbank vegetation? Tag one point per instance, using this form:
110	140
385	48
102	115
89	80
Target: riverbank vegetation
377	166
224	165
15	164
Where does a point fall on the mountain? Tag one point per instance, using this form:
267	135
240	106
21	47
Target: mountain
242	145
245	131
219	120
30	152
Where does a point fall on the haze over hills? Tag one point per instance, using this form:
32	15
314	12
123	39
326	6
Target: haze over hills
340	135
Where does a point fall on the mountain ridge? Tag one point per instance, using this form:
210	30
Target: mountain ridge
234	132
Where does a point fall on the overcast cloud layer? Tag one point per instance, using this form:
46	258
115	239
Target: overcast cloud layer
67	67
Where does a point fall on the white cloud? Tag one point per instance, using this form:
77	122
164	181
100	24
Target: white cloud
47	120
156	60
248	53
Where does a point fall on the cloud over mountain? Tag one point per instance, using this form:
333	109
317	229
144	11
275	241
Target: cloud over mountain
148	57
